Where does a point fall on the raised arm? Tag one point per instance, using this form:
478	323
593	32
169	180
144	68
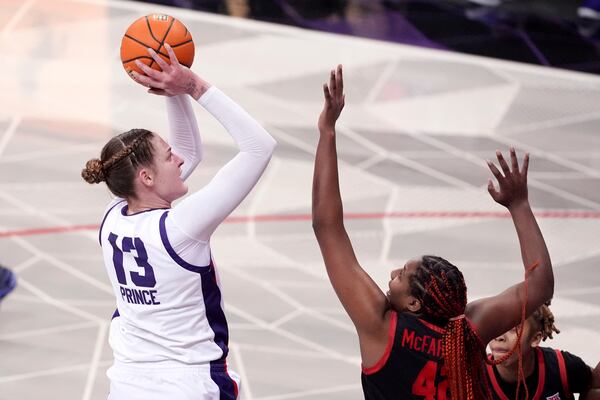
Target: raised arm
184	136
200	213
177	82
363	300
494	315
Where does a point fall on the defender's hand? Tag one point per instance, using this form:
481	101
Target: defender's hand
334	101
512	181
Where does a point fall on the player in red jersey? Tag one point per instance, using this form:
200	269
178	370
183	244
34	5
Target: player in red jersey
422	340
549	373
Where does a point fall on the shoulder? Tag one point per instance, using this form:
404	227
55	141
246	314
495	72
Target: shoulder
572	361
578	374
568	358
572	368
114	204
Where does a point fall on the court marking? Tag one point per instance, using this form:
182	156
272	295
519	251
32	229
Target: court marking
556	214
55	221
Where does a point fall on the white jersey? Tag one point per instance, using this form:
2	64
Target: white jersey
168	309
169	301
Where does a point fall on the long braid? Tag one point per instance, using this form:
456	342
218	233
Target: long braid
443	293
520	371
462	349
544	319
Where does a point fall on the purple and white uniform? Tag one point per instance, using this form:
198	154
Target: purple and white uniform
169	334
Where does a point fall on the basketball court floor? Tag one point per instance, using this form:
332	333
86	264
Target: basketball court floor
416	130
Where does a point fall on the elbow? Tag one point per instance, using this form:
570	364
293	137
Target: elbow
263	149
319	224
317	216
321	229
199	154
549	280
547	283
550	288
323	225
266	152
270	146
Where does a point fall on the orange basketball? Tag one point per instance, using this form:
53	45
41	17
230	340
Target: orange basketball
154	31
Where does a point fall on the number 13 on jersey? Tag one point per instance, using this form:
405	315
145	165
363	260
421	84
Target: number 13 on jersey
141	276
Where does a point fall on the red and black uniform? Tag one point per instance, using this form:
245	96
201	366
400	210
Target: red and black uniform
412	366
556	376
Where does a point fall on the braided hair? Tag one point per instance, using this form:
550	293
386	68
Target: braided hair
441	289
544	319
119	161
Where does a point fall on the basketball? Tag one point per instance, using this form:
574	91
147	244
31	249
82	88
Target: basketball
154	31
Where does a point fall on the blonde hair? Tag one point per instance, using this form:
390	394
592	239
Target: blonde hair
119	160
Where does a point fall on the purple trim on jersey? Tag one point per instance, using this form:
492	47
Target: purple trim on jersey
104	220
218	323
228	389
124	211
214	312
116	314
165	240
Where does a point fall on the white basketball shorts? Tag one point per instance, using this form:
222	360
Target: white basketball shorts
198	382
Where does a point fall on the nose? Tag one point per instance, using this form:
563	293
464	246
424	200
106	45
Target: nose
500	338
179	160
394	273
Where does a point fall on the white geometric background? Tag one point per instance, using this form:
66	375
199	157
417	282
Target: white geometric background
416	130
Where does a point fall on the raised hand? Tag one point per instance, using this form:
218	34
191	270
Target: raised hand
512	181
334	101
172	79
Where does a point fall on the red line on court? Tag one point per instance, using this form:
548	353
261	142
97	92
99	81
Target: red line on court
347	216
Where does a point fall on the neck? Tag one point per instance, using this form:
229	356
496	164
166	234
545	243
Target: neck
510	373
139	205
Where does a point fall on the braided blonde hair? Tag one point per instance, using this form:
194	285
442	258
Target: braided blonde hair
119	160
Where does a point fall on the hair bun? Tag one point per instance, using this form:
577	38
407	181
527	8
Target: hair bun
93	171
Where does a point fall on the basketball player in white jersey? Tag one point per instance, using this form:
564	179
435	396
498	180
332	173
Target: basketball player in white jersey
169	333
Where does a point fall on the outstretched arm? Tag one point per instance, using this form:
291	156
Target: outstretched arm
361	297
539	285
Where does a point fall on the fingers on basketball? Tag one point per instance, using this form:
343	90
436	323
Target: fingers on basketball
154	31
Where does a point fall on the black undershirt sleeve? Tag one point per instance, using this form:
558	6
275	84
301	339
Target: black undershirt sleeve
579	373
